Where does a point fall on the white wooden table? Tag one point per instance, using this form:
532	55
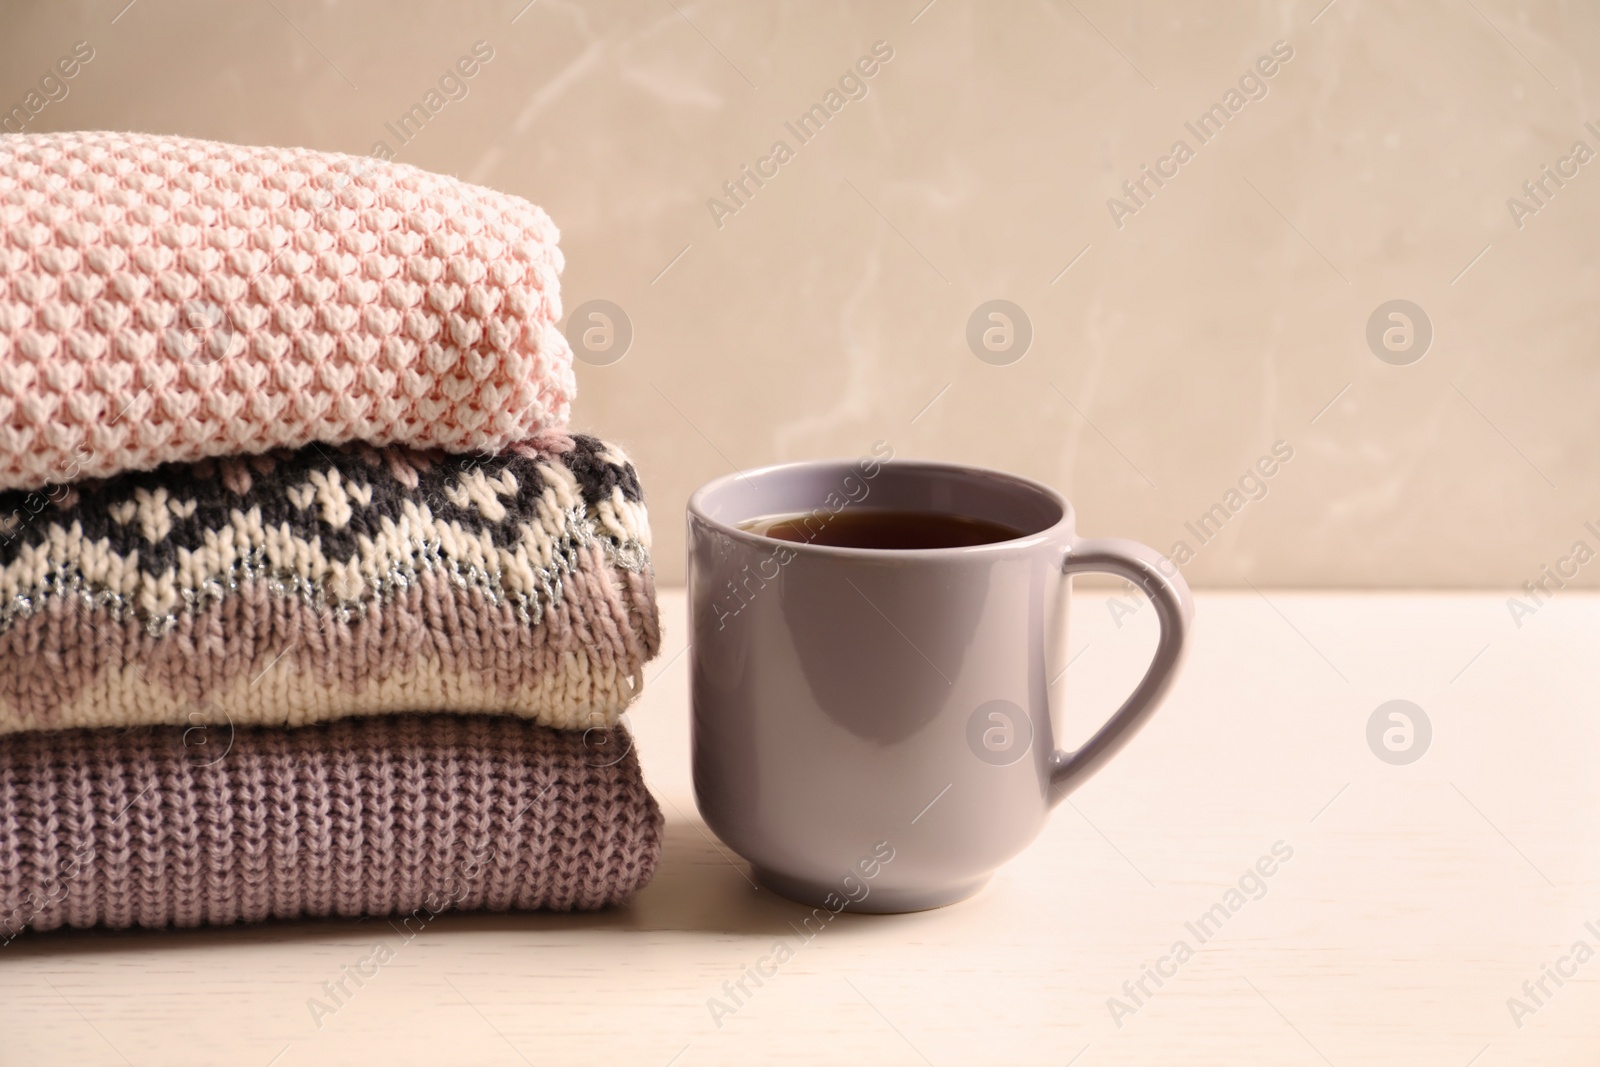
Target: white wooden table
1418	898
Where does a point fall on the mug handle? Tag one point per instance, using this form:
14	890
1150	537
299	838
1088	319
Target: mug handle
1149	570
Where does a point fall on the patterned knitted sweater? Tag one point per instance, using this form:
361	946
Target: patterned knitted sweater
403	815
296	587
165	299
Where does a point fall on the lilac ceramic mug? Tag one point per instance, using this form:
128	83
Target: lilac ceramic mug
871	727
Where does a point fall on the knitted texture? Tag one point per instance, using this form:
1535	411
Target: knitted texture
165	299
297	587
166	826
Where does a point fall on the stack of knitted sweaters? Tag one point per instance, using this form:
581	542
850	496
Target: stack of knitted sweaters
309	602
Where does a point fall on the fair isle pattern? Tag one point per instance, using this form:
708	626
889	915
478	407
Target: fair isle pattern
404	815
299	587
165	299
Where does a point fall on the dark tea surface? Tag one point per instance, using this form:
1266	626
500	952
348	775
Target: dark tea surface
880	528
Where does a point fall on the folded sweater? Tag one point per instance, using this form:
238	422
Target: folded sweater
165	299
391	815
297	587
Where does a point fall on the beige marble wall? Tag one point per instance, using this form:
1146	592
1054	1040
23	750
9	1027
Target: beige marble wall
1176	338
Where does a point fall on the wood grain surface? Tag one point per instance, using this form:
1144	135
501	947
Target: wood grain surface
1417	901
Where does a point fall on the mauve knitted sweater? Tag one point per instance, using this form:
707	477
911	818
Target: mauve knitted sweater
405	814
164	299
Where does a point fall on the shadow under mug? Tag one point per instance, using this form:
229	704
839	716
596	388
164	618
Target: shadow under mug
872	728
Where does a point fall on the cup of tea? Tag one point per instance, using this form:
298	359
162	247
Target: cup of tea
873	647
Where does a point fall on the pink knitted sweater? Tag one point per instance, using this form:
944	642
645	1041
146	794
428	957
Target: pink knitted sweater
167	299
